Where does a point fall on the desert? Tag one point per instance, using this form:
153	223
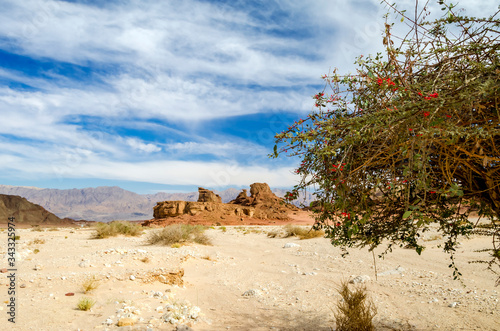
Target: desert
244	280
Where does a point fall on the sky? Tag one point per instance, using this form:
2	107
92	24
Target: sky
169	95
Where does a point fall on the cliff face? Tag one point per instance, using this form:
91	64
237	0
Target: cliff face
26	212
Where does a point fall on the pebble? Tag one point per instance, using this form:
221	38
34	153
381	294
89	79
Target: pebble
453	305
360	279
125	321
132	277
252	293
291	245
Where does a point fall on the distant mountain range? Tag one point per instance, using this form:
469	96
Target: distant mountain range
107	203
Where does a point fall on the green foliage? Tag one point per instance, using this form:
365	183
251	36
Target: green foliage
85	304
409	141
179	234
115	228
354	312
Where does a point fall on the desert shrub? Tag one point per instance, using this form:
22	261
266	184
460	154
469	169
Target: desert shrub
301	233
223	228
179	234
355	311
85	304
273	234
37	241
54	229
36	251
89	284
115	228
17	238
146	259
37	228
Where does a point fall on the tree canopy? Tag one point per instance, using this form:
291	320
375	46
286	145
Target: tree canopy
410	140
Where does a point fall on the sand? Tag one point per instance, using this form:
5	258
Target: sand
289	288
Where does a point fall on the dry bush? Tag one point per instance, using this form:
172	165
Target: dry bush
273	234
355	312
179	234
90	284
85	304
302	233
115	228
36	242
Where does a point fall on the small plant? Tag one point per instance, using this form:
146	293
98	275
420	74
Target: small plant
90	284
36	251
85	304
37	228
179	234
37	242
176	245
273	234
355	311
16	238
115	228
54	229
302	233
223	228
146	259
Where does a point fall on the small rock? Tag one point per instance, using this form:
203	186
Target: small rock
290	245
38	267
4	270
453	305
360	279
252	293
69	294
22	286
132	277
183	328
84	264
109	321
125	321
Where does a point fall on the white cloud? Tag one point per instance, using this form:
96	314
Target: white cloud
139	145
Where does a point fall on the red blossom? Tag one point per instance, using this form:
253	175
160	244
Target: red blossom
426	113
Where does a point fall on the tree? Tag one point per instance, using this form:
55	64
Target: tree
411	140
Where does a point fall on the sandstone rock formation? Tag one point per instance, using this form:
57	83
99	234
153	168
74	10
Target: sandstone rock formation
262	204
267	205
208	196
26	212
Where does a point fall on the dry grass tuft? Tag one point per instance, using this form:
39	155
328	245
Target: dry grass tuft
115	228
85	304
90	284
37	242
178	234
354	311
301	232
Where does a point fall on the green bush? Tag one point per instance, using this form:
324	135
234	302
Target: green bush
85	304
115	228
179	234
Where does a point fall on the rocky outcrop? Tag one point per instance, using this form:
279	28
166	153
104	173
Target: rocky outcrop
205	195
267	205
26	212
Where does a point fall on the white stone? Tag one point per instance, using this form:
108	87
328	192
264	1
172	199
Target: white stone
360	279
132	277
291	245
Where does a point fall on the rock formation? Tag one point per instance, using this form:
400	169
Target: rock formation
267	205
26	212
205	195
262	204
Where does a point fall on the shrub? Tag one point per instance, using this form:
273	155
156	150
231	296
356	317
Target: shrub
90	284
179	234
302	233
354	312
85	304
115	228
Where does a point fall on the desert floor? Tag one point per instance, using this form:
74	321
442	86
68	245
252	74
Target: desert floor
293	288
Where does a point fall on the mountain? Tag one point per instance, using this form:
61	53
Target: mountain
106	203
26	212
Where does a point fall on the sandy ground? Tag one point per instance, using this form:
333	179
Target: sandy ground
293	288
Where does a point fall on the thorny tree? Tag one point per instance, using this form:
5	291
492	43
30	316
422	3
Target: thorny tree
411	140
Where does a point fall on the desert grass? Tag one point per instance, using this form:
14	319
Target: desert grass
146	259
179	234
115	228
89	284
301	232
354	311
37	242
85	304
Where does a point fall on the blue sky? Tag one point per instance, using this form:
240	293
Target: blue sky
168	95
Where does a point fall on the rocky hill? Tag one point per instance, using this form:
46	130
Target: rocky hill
107	203
26	212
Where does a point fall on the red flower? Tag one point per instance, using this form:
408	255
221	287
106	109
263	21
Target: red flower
410	129
426	113
432	192
449	116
